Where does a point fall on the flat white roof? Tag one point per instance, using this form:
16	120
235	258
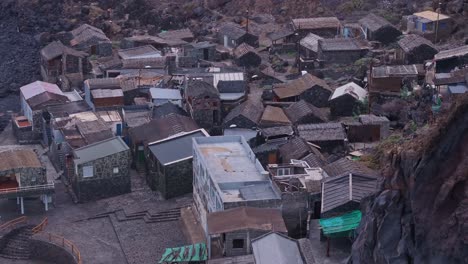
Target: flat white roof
234	168
163	93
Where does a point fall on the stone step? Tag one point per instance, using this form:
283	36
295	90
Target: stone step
149	220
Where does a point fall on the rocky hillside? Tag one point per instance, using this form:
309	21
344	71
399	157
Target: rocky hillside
421	214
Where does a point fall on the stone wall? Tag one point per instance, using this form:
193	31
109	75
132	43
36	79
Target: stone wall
25	135
104	183
177	179
50	253
28	176
317	96
246	236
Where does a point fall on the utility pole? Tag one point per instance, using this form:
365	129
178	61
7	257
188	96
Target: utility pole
437	23
247	25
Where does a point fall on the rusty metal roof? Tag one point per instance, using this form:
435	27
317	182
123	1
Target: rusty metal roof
242	218
17	159
298	86
274	116
452	53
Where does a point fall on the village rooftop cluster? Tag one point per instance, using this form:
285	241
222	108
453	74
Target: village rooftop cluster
267	146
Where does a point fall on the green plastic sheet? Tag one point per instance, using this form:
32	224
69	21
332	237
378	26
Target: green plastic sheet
195	252
341	226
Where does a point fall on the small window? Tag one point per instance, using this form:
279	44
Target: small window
116	170
238	243
88	171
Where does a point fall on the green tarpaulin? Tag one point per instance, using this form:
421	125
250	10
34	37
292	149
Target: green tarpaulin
196	252
341	226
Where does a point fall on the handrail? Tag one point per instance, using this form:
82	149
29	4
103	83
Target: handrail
27	188
63	243
40	227
13	222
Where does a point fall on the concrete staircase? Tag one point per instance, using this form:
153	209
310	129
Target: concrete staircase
149	216
16	244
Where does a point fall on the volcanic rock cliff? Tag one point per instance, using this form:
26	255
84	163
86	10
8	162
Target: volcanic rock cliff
421	213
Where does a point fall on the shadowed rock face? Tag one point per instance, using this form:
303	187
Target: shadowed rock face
421	214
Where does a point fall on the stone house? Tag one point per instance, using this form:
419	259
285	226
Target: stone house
69	131
307	87
159	43
347	184
60	63
232	93
104	93
377	28
427	22
308	51
303	112
341	50
228	175
181	34
297	148
368	128
35	97
170	169
268	152
346	99
390	79
91	40
231	36
201	50
203	102
246	56
326	27
330	137
101	170
22	175
234	229
59	111
155	130
245	115
273	116
414	49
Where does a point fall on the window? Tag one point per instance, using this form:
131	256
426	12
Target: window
88	171
284	171
116	170
238	243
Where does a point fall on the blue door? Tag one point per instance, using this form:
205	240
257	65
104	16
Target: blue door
119	129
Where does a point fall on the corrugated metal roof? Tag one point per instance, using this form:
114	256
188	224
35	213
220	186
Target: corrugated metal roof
109	116
146	51
103	83
248	109
175	148
243	49
431	15
322	132
242	218
274	115
310	42
374	22
56	48
163	93
451	53
338	191
227	76
38	87
395	71
184	33
99	150
316	23
298	86
73	96
412	41
340	44
302	109
276	248
106	93
232	31
352	89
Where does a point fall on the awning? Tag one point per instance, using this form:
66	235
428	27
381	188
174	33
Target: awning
341	226
195	252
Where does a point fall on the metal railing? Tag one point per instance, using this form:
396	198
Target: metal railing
13	222
27	188
40	227
63	243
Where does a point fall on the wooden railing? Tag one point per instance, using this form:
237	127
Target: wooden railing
62	242
40	227
13	223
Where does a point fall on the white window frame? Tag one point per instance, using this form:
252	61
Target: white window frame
86	169
284	171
